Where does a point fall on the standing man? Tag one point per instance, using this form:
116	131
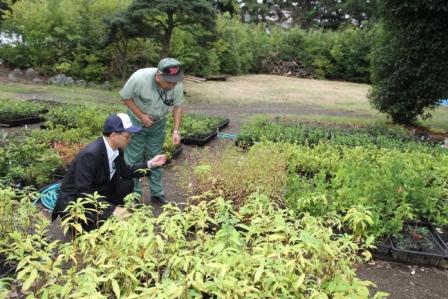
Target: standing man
150	93
100	167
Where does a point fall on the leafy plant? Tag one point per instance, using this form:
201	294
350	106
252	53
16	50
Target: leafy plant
259	251
13	109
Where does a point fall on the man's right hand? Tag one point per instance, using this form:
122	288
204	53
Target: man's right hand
146	120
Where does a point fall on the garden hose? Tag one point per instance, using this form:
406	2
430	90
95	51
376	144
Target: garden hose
225	135
49	195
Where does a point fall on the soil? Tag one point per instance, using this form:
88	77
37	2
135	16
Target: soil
399	280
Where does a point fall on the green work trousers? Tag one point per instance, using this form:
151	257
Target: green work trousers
144	146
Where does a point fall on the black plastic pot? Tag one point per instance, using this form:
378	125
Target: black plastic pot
418	256
199	140
20	121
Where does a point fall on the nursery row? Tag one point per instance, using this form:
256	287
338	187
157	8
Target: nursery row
373	192
379	136
37	157
208	250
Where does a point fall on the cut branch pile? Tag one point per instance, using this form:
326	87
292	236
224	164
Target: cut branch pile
290	69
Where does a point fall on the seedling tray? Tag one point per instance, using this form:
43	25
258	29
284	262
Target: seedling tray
383	249
179	149
224	124
415	255
20	121
442	233
199	140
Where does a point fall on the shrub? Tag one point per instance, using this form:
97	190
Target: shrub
409	69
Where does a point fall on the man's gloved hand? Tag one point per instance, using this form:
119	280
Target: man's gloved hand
157	161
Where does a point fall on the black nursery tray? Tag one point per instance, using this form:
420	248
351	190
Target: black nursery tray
199	140
435	256
223	124
442	232
179	149
383	249
20	121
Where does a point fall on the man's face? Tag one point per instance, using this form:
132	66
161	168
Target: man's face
121	140
166	85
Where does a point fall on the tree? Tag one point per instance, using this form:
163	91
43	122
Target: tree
157	19
119	32
409	66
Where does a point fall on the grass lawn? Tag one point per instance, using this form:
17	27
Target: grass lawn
329	96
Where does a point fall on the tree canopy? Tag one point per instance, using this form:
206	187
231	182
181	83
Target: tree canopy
410	67
157	19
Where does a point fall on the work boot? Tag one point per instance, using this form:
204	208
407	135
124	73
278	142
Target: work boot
160	199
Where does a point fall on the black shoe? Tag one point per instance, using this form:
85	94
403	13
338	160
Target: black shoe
160	199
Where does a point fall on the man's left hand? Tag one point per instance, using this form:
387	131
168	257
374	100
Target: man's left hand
176	137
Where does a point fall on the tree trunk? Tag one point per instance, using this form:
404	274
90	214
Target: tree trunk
166	38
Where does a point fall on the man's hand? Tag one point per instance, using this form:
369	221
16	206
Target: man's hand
176	137
157	161
121	213
146	120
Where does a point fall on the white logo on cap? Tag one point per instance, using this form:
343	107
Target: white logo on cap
125	120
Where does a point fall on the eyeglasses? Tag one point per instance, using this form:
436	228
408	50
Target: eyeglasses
125	135
163	94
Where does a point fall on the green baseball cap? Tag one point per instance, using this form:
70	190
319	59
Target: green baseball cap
170	70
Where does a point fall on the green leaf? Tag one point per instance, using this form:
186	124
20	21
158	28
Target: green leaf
259	272
30	280
116	288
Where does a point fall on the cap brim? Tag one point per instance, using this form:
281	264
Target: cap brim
176	78
133	129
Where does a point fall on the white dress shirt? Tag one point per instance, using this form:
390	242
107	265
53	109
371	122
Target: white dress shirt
111	155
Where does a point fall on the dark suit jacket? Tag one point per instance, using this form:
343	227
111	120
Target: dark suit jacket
89	172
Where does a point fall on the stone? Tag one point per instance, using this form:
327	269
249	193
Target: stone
57	80
15	75
91	85
37	80
106	85
81	83
31	74
69	81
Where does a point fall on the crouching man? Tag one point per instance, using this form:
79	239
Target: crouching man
100	167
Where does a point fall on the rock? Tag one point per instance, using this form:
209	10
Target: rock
15	75
81	83
37	80
57	80
31	74
106	85
69	81
91	85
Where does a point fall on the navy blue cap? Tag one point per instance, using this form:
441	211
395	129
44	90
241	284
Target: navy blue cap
118	123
